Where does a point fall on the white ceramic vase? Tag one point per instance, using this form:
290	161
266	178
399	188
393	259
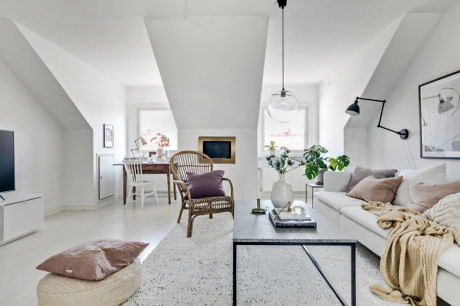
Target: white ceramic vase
282	192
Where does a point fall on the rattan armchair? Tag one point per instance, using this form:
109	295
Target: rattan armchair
196	162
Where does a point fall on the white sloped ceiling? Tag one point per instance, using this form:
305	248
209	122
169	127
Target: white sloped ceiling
22	59
212	68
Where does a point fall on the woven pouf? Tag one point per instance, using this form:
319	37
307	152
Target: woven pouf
59	290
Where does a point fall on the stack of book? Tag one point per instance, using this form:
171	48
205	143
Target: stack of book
291	219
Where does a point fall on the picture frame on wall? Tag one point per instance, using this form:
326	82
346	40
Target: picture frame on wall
439	115
108	136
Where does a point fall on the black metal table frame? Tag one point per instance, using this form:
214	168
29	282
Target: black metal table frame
303	244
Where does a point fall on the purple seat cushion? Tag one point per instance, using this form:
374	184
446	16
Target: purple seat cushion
206	184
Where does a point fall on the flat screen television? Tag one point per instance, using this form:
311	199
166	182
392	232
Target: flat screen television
7	181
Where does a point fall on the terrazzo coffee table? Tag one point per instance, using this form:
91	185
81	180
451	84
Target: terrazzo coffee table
250	229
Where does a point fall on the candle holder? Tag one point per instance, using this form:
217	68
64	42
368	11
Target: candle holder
258	210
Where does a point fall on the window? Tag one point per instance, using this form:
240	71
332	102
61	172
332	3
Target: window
153	121
291	134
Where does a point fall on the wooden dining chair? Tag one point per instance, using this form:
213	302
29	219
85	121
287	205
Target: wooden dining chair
136	183
185	162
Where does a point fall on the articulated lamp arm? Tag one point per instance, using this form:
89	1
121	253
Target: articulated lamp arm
404	133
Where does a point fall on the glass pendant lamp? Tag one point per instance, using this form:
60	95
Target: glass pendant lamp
282	105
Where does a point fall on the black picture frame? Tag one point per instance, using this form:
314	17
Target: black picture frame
442	118
108	136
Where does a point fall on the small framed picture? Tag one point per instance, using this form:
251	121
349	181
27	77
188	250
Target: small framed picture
108	136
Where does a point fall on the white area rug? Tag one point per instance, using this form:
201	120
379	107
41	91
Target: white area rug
198	271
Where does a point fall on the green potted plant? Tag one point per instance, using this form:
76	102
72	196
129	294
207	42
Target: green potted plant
271	147
316	163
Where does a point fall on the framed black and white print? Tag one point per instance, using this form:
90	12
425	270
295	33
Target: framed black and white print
439	108
108	136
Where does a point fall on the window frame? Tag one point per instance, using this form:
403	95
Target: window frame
153	108
262	127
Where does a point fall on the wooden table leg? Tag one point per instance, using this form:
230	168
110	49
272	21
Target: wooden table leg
174	187
169	188
124	186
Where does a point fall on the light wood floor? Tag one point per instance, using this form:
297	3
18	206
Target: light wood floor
18	259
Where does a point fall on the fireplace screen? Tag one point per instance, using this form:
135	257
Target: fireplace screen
220	149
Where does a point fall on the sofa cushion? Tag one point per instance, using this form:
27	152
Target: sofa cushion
338	200
203	185
361	173
425	196
365	218
337	181
377	190
430	175
446	212
449	260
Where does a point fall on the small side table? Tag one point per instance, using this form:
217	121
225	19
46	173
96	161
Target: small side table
313	186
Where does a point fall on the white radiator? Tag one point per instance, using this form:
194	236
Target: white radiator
106	176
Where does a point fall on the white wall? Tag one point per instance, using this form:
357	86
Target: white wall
38	141
356	145
340	89
77	173
307	94
412	31
244	172
439	55
100	99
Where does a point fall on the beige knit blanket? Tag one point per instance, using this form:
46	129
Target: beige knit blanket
409	264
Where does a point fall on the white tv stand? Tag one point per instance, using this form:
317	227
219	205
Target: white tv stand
20	215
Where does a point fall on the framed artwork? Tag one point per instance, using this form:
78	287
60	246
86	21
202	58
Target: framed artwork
108	136
439	103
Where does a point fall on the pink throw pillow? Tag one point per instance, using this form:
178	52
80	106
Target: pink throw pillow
425	196
377	190
94	260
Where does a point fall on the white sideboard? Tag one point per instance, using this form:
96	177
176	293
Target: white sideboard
20	215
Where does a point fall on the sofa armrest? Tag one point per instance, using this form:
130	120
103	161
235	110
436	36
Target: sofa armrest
336	181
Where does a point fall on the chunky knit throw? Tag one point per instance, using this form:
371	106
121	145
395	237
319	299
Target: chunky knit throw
409	263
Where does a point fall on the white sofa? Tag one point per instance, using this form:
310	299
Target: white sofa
347	212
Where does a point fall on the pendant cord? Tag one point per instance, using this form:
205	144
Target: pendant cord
282	43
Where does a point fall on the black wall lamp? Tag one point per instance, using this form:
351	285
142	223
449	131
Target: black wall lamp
353	110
